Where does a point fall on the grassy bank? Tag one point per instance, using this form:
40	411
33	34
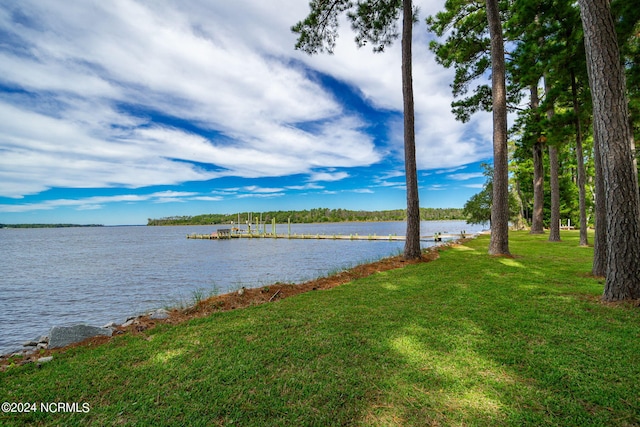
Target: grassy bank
465	340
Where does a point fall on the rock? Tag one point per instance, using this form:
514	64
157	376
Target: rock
42	360
129	322
159	314
62	336
34	342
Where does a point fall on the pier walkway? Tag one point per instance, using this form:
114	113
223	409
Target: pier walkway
223	234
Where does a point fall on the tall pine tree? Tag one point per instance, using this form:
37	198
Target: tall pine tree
374	21
616	149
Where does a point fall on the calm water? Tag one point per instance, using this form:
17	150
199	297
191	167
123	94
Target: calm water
63	276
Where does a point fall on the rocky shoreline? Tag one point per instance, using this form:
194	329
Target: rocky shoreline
65	336
41	349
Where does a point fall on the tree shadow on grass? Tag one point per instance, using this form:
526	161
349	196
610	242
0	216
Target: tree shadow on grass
510	350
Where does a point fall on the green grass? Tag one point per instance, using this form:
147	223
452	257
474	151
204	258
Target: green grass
466	340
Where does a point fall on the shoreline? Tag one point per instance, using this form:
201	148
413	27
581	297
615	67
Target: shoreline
184	271
245	297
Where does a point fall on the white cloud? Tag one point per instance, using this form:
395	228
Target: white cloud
94	74
208	198
90	207
389	175
309	186
391	184
90	61
437	187
441	141
328	176
465	176
260	195
256	189
450	170
41	152
98	202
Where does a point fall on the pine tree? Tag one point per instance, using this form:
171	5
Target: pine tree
616	149
374	22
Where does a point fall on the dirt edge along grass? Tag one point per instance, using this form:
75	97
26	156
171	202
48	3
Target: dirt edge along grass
204	305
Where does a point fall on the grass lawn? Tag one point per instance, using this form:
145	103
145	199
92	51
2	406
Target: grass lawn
465	340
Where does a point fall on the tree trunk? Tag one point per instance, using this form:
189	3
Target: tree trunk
584	240
615	140
537	224
412	242
554	179
600	240
499	243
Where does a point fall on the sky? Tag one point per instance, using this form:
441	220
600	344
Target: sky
115	112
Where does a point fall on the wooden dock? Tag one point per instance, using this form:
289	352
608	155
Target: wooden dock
218	235
259	231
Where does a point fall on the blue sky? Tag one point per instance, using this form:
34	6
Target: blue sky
115	112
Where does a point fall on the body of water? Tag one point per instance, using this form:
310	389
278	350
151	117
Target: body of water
64	276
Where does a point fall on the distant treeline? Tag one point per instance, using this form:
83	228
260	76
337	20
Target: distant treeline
310	216
47	225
